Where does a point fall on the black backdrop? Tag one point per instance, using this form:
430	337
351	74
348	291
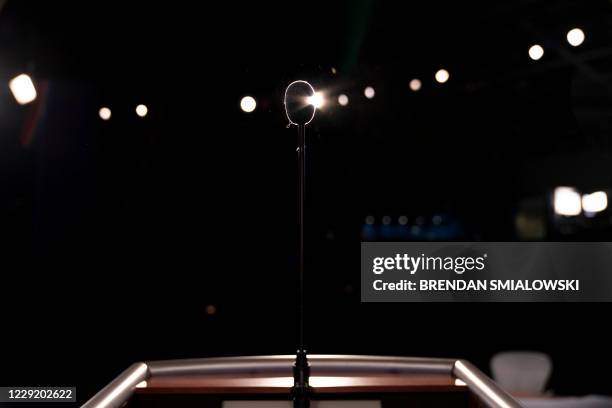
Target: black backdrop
119	234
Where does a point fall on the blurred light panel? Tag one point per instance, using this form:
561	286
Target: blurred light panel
343	100
386	220
567	201
23	89
369	92
248	104
575	37
402	220
105	113
415	85
595	202
536	52
142	110
442	76
317	100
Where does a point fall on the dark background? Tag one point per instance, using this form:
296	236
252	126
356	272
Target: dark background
118	235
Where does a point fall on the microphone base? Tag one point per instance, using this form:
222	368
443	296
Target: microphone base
301	374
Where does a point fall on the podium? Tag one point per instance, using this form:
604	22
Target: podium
337	381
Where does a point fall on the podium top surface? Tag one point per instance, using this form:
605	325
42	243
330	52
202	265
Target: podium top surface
329	375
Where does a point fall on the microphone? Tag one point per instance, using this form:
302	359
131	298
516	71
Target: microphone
299	110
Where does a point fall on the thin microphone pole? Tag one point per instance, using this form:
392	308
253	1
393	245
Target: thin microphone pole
301	202
301	369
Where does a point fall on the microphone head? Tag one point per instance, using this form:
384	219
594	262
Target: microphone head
297	105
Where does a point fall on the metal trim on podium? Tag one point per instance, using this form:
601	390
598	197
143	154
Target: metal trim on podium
119	391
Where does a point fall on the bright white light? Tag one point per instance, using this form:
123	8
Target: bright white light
343	100
142	384
248	104
575	37
105	113
317	100
442	76
369	92
595	202
142	110
23	89
567	201
536	52
415	84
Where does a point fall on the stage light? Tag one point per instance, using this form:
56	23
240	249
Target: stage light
23	89
567	201
402	220
317	100
536	52
595	202
386	220
105	113
442	76
575	37
369	92
415	84
211	310
343	100
248	104
142	110
369	220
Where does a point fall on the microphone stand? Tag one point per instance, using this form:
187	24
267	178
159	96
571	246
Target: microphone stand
301	369
296	95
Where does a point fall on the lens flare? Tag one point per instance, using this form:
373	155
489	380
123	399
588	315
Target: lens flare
317	100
